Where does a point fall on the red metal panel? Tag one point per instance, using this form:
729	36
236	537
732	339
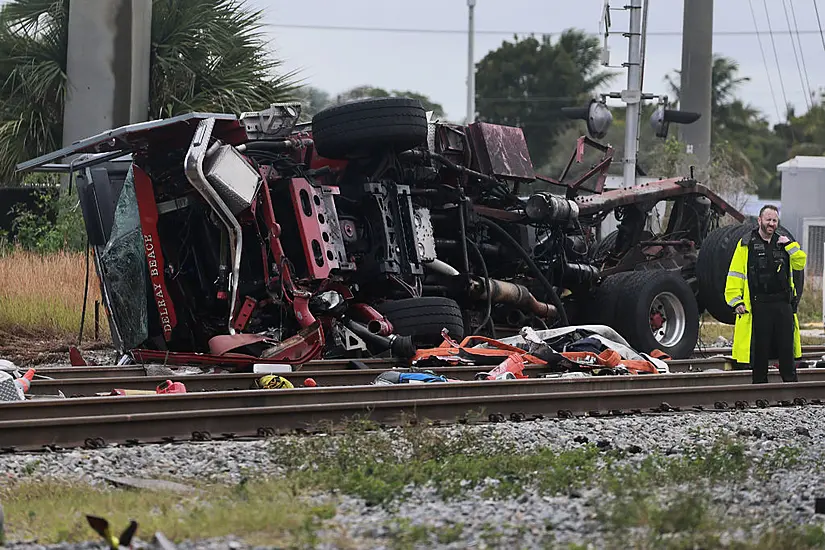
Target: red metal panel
148	209
245	313
313	227
502	151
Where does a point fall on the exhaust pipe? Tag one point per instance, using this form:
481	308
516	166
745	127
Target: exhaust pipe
514	294
376	323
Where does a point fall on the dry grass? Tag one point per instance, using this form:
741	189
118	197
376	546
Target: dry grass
810	307
710	330
41	296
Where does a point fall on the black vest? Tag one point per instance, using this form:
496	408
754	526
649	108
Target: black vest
768	268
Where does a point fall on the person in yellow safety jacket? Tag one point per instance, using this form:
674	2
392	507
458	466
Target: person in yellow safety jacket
760	288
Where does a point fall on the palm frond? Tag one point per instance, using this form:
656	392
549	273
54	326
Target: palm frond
206	55
212	55
33	41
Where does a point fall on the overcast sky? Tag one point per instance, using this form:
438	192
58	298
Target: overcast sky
435	63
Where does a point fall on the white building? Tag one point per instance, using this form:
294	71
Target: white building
803	207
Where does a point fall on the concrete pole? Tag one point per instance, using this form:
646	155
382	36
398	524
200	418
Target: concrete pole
696	77
471	67
632	95
108	66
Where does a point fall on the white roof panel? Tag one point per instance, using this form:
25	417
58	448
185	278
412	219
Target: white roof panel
811	163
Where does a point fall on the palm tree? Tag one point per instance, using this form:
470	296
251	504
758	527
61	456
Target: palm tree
725	81
207	55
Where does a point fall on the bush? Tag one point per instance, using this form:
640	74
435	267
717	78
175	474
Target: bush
54	225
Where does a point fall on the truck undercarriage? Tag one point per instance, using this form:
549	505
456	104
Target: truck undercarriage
369	232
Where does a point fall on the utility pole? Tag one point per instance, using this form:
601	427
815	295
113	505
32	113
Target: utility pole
697	76
471	67
632	96
107	65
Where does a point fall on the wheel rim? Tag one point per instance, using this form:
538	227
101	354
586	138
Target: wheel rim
667	319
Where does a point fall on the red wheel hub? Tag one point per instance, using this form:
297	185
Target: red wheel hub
656	321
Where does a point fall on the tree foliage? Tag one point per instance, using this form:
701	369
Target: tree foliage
526	82
206	55
33	41
751	145
212	54
314	99
364	92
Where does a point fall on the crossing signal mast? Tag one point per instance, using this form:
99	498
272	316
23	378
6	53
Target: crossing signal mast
597	114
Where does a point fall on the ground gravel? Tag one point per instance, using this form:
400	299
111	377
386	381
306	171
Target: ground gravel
525	521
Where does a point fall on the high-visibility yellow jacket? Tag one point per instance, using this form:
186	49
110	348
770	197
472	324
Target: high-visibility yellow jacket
737	292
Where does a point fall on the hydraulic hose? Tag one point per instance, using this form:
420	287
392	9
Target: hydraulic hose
400	346
551	292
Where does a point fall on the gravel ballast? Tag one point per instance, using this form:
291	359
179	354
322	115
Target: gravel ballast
474	519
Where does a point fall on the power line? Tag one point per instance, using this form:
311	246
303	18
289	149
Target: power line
776	57
500	32
533	99
796	57
765	61
819	22
801	52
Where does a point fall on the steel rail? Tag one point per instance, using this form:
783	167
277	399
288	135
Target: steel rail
82	386
242	381
96	430
234	381
139	404
313	367
703	358
101	371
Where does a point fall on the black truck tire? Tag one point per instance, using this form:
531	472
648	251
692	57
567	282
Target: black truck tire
601	248
604	307
712	268
641	295
363	127
423	318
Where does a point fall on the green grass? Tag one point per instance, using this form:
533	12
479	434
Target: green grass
689	519
402	534
644	500
810	307
710	330
259	510
452	465
652	500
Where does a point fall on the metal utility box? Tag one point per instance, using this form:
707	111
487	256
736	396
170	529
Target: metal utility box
803	207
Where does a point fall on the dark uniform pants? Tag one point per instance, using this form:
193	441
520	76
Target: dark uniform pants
772	329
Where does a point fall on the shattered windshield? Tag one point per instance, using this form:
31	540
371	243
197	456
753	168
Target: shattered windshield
123	264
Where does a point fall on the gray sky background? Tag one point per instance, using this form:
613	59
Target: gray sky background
434	63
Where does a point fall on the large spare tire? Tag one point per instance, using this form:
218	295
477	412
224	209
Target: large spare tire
713	263
370	125
423	318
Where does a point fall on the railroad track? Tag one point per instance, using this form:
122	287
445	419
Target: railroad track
138	404
88	381
87	387
222	406
96	422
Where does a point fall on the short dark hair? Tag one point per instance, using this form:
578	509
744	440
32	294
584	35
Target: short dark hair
768	207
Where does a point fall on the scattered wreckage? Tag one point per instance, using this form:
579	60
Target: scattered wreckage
372	231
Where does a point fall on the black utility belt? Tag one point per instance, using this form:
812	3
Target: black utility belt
784	296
